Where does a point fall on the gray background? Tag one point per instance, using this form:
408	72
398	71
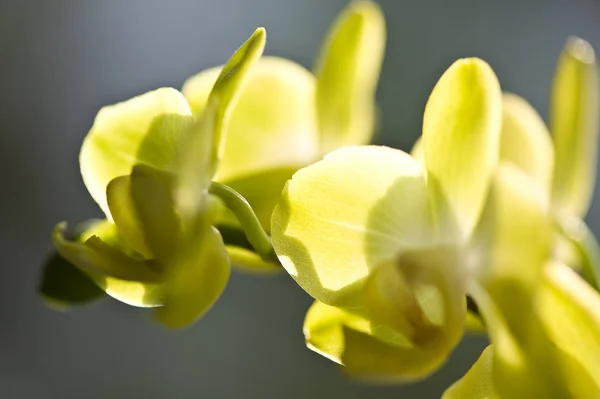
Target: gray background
62	60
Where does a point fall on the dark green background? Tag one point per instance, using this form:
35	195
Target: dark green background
61	60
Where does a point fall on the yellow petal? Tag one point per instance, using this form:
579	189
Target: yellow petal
528	362
347	74
324	334
145	129
477	383
151	191
125	215
513	239
525	140
272	125
367	350
511	245
421	294
570	311
195	280
461	139
342	216
128	280
201	154
574	113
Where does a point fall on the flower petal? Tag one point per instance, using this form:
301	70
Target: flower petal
145	129
347	73
323	330
477	383
421	294
367	350
120	276
272	125
196	279
570	311
514	237
202	152
525	140
527	363
461	139
151	192
125	215
574	119
342	216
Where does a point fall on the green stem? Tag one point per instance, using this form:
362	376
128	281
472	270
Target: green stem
257	237
578	233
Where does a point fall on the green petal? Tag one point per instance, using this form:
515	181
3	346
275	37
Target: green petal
125	215
570	311
379	361
527	362
195	280
342	216
525	140
347	74
323	329
461	139
64	285
512	243
513	239
367	350
151	191
201	154
574	124
146	129
272	125
124	278
477	383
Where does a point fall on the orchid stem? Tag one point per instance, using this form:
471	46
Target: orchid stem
256	235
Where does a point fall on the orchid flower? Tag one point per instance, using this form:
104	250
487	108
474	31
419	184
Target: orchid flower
390	245
550	347
563	163
149	163
288	117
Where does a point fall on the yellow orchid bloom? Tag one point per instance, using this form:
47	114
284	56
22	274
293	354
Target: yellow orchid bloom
546	340
148	163
378	237
389	245
564	163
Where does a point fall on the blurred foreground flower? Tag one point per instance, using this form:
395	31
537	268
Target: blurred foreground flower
288	118
564	164
548	345
389	245
148	163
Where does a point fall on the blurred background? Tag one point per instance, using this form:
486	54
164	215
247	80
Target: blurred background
60	61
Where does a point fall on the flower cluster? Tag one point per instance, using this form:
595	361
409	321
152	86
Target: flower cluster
262	164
